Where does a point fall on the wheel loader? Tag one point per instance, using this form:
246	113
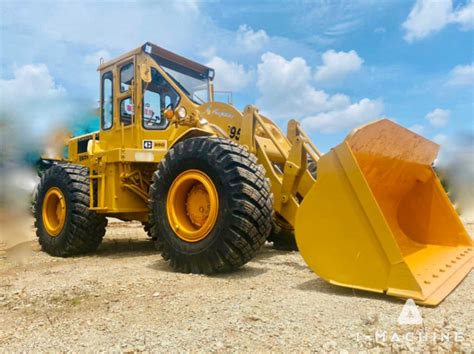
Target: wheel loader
211	184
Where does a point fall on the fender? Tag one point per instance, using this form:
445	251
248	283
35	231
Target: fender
191	133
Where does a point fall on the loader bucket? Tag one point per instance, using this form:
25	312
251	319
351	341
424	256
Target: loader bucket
378	218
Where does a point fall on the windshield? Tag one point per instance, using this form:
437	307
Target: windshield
197	89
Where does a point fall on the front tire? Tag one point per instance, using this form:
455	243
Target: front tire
64	224
211	206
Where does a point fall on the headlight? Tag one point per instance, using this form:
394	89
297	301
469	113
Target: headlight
181	112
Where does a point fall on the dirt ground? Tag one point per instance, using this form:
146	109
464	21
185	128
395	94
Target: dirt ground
125	298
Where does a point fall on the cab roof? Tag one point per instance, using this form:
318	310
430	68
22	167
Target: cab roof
166	58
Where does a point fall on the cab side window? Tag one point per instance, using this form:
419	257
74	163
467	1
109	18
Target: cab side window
126	77
157	95
126	104
107	107
126	111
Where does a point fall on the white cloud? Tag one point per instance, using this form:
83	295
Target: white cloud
30	82
461	75
355	114
418	129
251	40
94	58
342	27
465	16
337	65
188	6
290	95
440	139
34	103
438	117
430	16
85	23
425	17
209	52
230	76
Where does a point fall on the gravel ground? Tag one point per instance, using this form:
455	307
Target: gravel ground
125	298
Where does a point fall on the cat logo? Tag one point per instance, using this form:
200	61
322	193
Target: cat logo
155	145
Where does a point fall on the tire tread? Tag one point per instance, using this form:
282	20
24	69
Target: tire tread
251	206
86	229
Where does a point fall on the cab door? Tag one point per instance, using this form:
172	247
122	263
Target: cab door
118	113
156	96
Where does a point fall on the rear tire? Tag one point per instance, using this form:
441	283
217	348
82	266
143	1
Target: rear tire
82	229
282	235
146	228
244	201
313	168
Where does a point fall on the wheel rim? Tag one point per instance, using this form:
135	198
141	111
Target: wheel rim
54	211
192	205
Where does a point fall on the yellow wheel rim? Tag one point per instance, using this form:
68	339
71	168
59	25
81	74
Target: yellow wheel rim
54	211
192	205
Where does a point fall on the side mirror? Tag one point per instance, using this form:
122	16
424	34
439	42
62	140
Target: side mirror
145	73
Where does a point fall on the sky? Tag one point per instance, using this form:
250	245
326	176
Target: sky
333	65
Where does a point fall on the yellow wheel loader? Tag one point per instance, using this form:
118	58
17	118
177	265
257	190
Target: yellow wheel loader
211	184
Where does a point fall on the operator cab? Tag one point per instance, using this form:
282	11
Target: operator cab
146	82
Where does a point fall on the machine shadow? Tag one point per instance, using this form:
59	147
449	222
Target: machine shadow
246	272
138	247
119	248
267	251
322	286
130	248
